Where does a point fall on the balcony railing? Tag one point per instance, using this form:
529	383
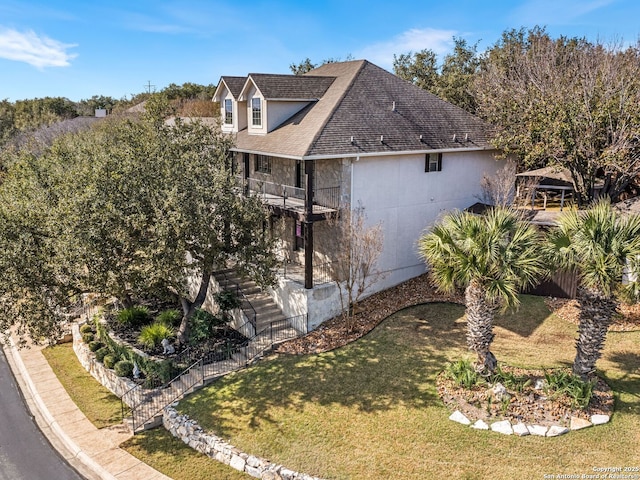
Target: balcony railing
290	196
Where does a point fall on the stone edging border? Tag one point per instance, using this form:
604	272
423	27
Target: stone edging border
187	430
521	429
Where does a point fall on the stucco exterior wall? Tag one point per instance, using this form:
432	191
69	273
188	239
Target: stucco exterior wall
397	192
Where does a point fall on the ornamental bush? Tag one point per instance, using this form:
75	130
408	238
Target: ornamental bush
95	345
152	335
110	360
123	368
101	353
171	318
86	328
88	337
134	317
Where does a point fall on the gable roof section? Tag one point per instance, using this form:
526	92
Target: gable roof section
289	87
359	103
233	84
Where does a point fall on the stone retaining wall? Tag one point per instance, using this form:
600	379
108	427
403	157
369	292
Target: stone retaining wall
117	385
187	430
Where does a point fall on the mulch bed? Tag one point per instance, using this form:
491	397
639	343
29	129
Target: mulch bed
530	406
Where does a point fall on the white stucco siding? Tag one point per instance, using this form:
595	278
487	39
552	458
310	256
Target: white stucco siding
397	192
277	112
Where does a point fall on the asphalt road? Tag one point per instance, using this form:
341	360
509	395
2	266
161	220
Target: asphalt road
25	454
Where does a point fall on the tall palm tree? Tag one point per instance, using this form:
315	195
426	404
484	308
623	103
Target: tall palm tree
493	257
599	244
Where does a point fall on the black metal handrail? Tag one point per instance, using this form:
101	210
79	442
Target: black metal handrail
216	362
245	305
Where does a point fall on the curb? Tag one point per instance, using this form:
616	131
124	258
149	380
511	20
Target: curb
71	446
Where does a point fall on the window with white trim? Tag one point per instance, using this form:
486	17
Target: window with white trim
256	111
433	162
228	111
263	164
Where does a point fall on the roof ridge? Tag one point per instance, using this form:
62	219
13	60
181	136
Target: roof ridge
336	106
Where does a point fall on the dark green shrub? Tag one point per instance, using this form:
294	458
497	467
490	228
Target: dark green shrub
134	317
109	360
88	337
152	335
171	318
95	345
86	328
123	368
202	326
160	373
101	353
227	300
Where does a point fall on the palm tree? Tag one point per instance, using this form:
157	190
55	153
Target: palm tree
493	257
599	244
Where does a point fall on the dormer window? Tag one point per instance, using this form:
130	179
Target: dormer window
256	112
228	111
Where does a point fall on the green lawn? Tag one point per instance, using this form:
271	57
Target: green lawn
161	450
371	410
98	404
157	448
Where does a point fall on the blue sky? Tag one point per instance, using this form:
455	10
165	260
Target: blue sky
77	49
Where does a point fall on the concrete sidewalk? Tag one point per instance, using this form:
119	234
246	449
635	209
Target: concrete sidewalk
93	452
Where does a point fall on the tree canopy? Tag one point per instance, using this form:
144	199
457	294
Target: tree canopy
567	102
451	80
129	209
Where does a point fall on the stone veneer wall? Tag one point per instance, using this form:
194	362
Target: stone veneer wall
187	430
117	385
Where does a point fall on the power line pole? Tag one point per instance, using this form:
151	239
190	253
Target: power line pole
148	87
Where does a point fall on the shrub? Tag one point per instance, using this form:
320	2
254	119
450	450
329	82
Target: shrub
88	337
123	368
152	335
160	373
561	382
202	326
86	328
109	360
95	345
510	380
171	318
227	300
101	353
463	373
134	317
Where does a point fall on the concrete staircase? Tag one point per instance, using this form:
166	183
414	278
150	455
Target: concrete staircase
255	302
271	327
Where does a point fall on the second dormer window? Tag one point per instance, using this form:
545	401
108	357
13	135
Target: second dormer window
228	112
256	112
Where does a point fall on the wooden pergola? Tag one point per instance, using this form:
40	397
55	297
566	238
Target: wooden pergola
556	179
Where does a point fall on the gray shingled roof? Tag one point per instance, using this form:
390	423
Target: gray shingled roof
359	104
234	84
291	86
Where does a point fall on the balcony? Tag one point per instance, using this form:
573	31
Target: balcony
290	200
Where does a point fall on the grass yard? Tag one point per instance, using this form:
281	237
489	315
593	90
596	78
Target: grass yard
156	448
98	404
159	449
371	410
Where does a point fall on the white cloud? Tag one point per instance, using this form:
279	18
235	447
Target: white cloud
39	51
414	40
